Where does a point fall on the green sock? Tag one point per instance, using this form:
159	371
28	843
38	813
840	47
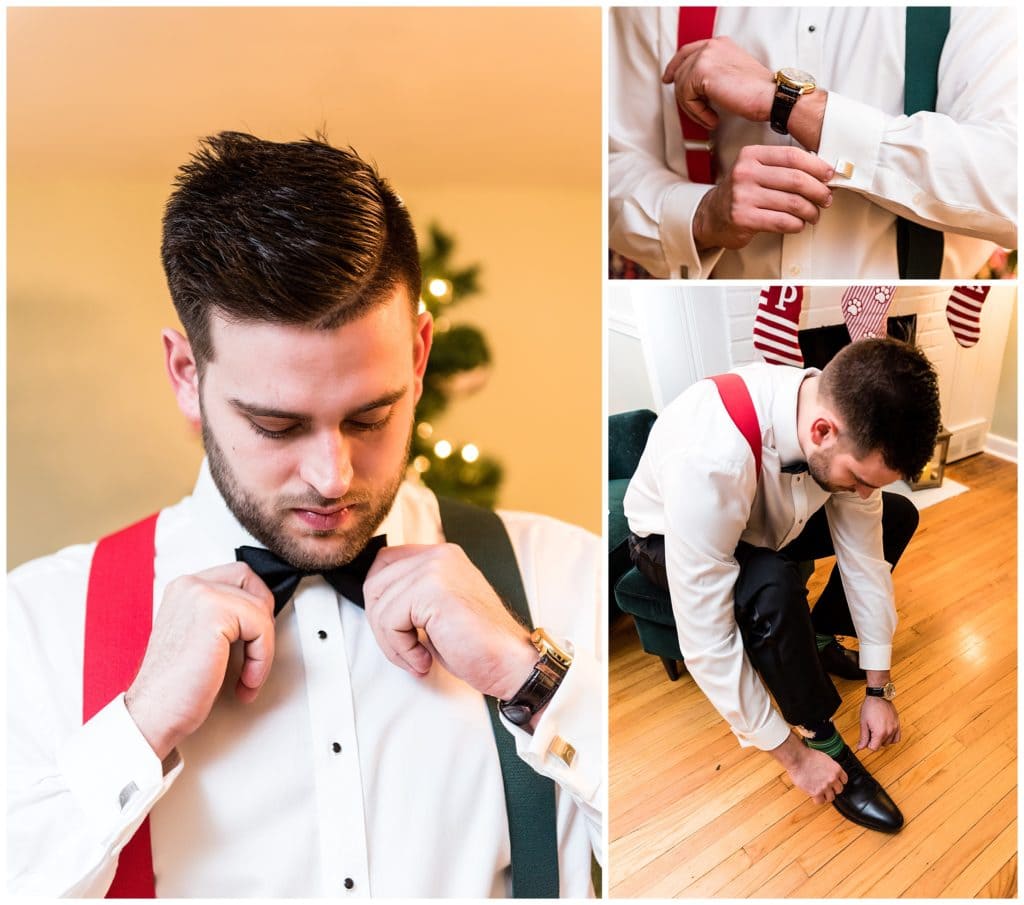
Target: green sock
831	745
824	640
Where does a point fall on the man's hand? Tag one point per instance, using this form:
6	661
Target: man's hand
879	724
716	75
427	601
199	618
814	772
770	189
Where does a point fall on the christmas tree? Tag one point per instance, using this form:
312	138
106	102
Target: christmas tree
459	365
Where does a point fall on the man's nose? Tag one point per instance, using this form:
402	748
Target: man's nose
327	465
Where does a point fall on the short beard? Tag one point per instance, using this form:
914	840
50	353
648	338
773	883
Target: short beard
267	526
819	465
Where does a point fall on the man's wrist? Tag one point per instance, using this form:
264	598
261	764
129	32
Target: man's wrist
703	234
807	118
790	752
162	743
876	678
519	666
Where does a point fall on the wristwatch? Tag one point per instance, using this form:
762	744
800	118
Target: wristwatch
887	691
543	682
790	84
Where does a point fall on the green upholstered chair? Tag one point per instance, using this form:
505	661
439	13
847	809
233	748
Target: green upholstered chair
631	593
627	437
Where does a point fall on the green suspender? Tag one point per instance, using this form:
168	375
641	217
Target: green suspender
529	797
919	248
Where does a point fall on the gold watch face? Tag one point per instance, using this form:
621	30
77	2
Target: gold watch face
542	641
797	79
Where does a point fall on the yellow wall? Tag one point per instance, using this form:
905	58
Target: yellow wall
94	437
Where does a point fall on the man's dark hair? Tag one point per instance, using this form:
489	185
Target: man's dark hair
887	394
297	233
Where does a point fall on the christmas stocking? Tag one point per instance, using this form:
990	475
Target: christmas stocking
963	312
775	325
864	310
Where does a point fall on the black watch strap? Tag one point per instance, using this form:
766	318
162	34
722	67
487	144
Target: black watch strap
547	675
782	107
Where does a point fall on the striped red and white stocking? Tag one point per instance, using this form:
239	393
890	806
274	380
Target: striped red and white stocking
963	313
776	325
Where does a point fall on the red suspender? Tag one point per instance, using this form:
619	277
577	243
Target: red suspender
739	405
696	23
118	621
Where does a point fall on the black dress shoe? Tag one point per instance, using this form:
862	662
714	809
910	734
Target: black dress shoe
841	661
863	800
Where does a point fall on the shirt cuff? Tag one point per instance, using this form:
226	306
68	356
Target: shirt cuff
769	736
851	134
875	656
678	210
113	774
570	718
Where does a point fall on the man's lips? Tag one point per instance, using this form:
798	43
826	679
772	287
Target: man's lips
329	519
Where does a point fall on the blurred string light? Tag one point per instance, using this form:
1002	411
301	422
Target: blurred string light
440	289
424	430
470	453
442	449
421	464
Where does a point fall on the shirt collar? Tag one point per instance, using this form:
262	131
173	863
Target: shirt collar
784	415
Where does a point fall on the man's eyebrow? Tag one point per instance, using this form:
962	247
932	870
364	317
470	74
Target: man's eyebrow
860	480
264	411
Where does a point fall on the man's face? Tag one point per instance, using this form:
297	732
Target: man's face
308	431
839	469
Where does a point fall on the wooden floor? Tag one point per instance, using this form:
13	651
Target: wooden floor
693	814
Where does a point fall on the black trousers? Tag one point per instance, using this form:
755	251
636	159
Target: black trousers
772	612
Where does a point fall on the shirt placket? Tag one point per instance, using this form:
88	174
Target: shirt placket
798	490
798	248
341	819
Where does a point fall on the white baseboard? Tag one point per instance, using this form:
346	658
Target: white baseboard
1001	447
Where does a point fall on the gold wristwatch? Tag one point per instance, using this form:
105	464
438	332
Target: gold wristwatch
790	84
543	682
886	692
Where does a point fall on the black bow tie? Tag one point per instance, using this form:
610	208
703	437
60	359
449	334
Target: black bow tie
795	468
283	578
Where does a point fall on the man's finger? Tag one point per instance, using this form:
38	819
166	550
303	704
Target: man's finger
240	577
794	182
697	109
256	629
792	158
407	651
783	202
679	57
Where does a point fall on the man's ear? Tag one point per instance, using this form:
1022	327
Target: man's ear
823	431
183	373
421	350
